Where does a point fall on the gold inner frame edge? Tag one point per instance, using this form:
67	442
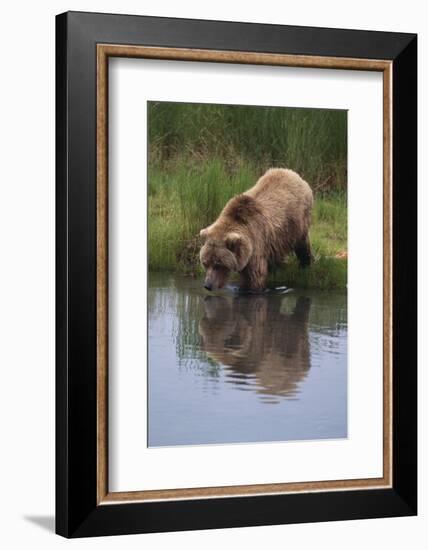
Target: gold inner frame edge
104	51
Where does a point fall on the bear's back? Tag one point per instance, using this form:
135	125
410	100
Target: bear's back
279	183
285	200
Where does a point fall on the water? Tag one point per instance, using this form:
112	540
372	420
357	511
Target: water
231	368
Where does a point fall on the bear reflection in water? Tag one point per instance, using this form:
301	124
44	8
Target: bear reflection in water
263	347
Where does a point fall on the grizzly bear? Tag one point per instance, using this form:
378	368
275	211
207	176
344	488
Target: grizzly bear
257	342
259	228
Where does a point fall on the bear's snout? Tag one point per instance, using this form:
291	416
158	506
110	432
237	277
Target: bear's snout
208	285
215	278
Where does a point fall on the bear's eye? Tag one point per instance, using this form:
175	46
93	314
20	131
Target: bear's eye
217	265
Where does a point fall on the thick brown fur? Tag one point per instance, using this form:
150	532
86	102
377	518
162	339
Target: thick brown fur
252	336
258	228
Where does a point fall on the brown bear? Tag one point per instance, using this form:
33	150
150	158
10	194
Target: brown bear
260	345
258	228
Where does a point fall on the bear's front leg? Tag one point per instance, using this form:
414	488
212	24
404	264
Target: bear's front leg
303	252
254	275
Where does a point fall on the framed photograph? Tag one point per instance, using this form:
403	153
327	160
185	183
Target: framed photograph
236	274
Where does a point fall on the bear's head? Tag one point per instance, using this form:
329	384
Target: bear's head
222	253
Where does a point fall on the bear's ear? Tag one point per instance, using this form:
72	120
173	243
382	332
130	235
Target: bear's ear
233	241
241	247
203	234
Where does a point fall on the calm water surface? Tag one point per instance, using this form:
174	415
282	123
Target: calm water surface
230	368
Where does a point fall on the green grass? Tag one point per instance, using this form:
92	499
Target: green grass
188	195
325	274
313	142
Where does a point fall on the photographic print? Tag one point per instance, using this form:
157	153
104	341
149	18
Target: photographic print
247	274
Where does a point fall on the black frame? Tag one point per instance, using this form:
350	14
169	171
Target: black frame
77	513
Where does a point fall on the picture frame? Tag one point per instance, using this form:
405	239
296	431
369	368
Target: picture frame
84	44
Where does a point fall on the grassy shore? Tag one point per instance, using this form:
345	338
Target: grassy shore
186	198
202	155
